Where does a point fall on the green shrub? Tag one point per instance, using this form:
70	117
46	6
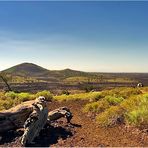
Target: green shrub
46	94
121	92
6	104
88	88
133	102
98	97
138	117
10	99
114	100
66	92
132	111
82	96
127	92
2	95
25	97
96	107
11	95
110	117
21	96
137	114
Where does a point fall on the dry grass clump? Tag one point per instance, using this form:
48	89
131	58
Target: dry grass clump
110	116
132	111
46	94
11	99
82	96
96	107
121	105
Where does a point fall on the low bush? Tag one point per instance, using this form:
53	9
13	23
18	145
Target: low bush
132	111
138	117
127	92
82	96
10	99
137	114
110	116
121	92
2	95
88	88
114	100
6	104
11	95
25	97
65	92
46	94
96	107
120	105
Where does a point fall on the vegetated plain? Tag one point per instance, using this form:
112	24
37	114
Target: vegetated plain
28	77
104	114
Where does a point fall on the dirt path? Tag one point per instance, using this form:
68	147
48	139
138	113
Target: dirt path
84	132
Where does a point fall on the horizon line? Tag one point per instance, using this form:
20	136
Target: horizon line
73	69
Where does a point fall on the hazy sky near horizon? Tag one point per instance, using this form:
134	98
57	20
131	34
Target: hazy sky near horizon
89	36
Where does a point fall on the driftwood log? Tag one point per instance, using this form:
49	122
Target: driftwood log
36	121
32	115
59	113
15	118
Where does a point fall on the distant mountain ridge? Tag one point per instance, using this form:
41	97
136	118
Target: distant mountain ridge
29	69
29	72
33	70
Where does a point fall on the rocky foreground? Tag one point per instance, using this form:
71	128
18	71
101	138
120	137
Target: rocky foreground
83	132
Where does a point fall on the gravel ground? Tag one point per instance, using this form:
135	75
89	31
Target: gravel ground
83	132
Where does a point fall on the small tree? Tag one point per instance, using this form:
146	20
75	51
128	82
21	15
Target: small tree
4	78
66	92
88	88
101	77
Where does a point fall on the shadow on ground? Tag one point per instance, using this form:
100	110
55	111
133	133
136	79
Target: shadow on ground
50	135
10	136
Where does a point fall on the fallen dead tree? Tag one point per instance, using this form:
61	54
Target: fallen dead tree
32	115
15	118
59	113
36	121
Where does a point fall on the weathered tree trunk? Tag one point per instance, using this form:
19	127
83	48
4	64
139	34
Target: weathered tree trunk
5	81
14	118
59	113
32	115
36	121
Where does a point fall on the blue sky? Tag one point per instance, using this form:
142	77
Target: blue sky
89	36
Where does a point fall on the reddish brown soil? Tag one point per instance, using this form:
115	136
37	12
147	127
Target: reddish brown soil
84	132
